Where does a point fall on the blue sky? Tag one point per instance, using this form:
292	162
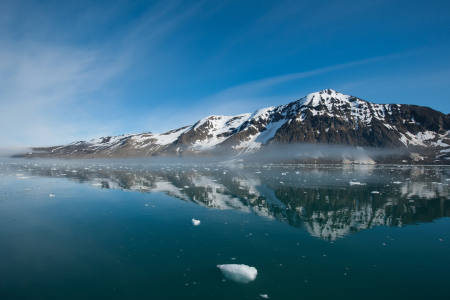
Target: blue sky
77	70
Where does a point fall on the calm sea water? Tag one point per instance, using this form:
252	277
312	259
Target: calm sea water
124	231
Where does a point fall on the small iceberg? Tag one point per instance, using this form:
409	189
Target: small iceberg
238	273
356	183
195	222
51	195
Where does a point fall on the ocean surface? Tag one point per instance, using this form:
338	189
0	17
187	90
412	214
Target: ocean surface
105	230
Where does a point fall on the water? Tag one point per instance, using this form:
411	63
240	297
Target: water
124	231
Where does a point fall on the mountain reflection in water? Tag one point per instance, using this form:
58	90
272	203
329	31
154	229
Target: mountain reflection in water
317	198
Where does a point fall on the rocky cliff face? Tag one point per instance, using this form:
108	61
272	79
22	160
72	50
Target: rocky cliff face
325	118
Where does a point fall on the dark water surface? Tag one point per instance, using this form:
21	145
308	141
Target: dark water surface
124	231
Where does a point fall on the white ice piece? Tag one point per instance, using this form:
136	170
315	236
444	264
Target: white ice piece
264	296
51	195
195	222
238	273
355	183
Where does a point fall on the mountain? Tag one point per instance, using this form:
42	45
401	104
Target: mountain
420	134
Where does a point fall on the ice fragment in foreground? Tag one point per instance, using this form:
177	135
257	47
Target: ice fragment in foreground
195	222
51	195
238	273
264	296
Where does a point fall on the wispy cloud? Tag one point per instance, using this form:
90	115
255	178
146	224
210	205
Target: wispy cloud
249	96
40	83
53	90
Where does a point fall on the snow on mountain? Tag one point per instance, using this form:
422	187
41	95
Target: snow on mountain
325	117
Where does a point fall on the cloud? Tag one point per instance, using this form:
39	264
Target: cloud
6	152
54	89
254	88
41	85
249	96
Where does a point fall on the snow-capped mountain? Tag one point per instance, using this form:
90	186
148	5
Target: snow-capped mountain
325	117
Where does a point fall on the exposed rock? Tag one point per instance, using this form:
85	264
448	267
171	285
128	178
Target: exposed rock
323	118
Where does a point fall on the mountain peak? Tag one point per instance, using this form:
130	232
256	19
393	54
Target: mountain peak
324	117
322	97
328	91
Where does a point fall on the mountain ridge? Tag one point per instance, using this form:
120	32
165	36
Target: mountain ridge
322	118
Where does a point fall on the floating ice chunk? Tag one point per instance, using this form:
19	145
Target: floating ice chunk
96	184
375	192
238	273
195	222
22	177
397	182
264	296
51	195
356	183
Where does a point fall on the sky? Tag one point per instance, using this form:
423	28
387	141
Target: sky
78	70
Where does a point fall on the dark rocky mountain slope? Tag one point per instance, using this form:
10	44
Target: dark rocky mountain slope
418	134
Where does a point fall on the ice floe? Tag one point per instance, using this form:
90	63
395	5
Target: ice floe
238	273
356	183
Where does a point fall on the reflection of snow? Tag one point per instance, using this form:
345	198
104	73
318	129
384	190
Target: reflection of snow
427	191
340	223
308	198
